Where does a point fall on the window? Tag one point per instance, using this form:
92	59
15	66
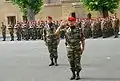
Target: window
11	20
25	18
7	0
53	1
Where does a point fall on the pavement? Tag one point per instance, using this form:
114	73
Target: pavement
29	60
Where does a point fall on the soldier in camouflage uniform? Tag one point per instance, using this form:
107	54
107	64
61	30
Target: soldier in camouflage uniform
3	31
34	31
11	30
87	28
51	40
18	31
96	28
41	28
104	27
26	31
75	46
115	25
110	29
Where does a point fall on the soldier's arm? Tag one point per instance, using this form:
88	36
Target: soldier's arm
62	24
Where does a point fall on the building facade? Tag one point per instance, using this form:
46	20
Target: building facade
58	9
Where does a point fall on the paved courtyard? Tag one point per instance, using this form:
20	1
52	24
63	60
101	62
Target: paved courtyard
29	60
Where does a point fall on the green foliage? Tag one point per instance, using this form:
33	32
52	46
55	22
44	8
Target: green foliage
97	5
35	5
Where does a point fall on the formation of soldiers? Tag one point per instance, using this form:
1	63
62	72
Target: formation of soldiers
25	30
92	27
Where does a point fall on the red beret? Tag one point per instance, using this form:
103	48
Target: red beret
71	19
49	17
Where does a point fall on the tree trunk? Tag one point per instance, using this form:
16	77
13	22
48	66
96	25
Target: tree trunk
30	14
104	13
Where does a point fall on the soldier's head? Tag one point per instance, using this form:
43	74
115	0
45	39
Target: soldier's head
73	14
89	15
115	15
49	19
2	23
71	21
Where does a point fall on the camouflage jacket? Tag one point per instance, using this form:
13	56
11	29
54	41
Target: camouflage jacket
73	37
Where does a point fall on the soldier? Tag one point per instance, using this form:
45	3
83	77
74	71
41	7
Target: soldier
34	31
51	40
116	24
11	30
74	44
18	31
3	31
87	28
110	29
96	28
26	31
104	27
42	25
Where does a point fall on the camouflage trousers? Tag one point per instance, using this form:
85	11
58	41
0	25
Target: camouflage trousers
74	57
116	31
4	35
52	48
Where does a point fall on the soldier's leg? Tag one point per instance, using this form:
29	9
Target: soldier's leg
12	37
4	36
19	37
55	54
78	63
71	58
116	33
51	55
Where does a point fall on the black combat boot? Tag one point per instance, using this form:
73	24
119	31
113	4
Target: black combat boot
56	62
52	63
73	74
77	74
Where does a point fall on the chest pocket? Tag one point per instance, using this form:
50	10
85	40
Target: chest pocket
73	36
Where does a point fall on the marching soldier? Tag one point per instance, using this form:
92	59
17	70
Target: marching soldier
74	44
11	30
3	31
116	24
51	40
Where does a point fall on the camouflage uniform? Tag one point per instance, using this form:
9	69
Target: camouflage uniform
110	29
104	27
34	32
18	31
11	30
42	25
52	42
96	29
26	32
87	29
73	39
116	24
3	31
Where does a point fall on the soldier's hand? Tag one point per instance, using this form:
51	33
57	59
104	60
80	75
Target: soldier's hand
63	23
82	48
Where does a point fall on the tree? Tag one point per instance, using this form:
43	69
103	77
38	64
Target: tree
29	7
103	6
